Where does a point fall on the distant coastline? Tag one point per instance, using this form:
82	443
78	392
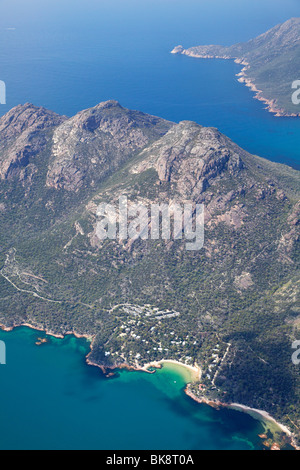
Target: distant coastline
242	78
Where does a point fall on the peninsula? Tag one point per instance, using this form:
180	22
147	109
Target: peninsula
271	64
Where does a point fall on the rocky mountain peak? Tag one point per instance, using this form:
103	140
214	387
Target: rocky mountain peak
22	135
27	117
109	104
285	35
192	156
93	142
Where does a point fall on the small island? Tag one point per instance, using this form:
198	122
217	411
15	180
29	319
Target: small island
41	341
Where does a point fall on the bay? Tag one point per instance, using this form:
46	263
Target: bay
51	399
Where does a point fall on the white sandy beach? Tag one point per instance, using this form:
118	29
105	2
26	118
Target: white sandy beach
195	371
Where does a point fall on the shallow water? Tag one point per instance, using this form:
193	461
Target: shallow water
50	399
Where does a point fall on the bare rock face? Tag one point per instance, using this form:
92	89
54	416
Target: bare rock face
24	132
192	157
95	141
177	50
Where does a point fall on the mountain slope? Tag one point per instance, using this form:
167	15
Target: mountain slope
96	141
272	63
232	306
23	133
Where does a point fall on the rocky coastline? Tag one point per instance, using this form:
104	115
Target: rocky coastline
109	371
260	414
242	78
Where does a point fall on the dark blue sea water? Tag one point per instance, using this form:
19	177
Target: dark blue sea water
70	55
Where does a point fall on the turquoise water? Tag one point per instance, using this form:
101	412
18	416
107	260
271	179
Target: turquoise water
50	399
70	55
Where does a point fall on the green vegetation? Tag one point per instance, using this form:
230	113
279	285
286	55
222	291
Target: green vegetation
232	307
273	63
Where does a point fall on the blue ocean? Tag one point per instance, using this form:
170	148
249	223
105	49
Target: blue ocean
70	55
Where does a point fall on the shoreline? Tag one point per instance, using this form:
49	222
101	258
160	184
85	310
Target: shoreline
261	415
195	370
243	78
9	329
